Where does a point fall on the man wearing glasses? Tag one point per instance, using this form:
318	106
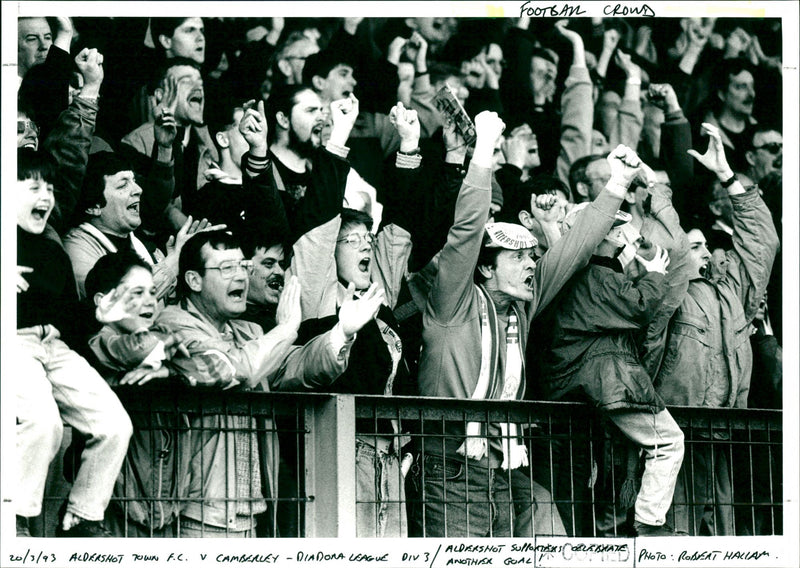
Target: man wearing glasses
224	487
765	154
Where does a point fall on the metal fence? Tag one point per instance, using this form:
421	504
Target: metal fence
224	464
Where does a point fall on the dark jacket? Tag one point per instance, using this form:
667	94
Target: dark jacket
593	347
736	293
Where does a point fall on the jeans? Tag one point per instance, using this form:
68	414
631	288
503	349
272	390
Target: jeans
662	441
462	499
53	383
535	513
380	491
704	493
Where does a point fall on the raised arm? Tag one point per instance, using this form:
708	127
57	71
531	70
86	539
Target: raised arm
577	110
755	240
460	254
573	250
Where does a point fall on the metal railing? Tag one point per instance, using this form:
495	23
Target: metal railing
181	475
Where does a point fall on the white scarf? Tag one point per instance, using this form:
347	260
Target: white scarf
138	246
475	446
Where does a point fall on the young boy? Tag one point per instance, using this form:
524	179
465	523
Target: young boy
53	384
128	349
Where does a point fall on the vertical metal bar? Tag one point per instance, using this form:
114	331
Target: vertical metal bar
330	472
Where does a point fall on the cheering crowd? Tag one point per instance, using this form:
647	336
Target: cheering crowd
270	204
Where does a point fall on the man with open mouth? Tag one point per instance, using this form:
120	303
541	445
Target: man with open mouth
111	205
708	356
227	352
177	133
475	334
343	257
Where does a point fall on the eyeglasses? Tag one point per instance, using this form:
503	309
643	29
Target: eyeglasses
227	270
772	147
355	239
25	125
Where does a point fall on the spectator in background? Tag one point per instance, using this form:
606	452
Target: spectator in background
181	100
34	39
45	68
765	153
732	109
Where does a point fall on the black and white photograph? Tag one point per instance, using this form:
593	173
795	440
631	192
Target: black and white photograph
400	284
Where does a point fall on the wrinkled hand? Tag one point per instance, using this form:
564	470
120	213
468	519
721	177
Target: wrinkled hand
354	314
119	304
610	40
714	157
406	122
189	228
697	34
142	375
658	264
454	142
546	208
289	312
253	127
90	64
22	284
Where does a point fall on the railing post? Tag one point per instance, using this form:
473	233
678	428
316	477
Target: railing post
330	468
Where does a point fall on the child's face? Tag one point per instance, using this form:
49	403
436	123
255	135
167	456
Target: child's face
35	202
143	304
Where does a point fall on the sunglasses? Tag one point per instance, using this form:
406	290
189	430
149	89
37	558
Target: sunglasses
25	125
772	147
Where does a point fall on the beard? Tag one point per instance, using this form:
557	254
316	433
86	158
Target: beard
302	148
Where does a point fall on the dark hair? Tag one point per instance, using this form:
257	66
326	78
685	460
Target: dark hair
162	69
165	27
577	171
252	240
35	165
192	257
728	68
110	269
441	71
355	217
516	201
463	46
543	54
282	99
101	164
486	257
320	64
